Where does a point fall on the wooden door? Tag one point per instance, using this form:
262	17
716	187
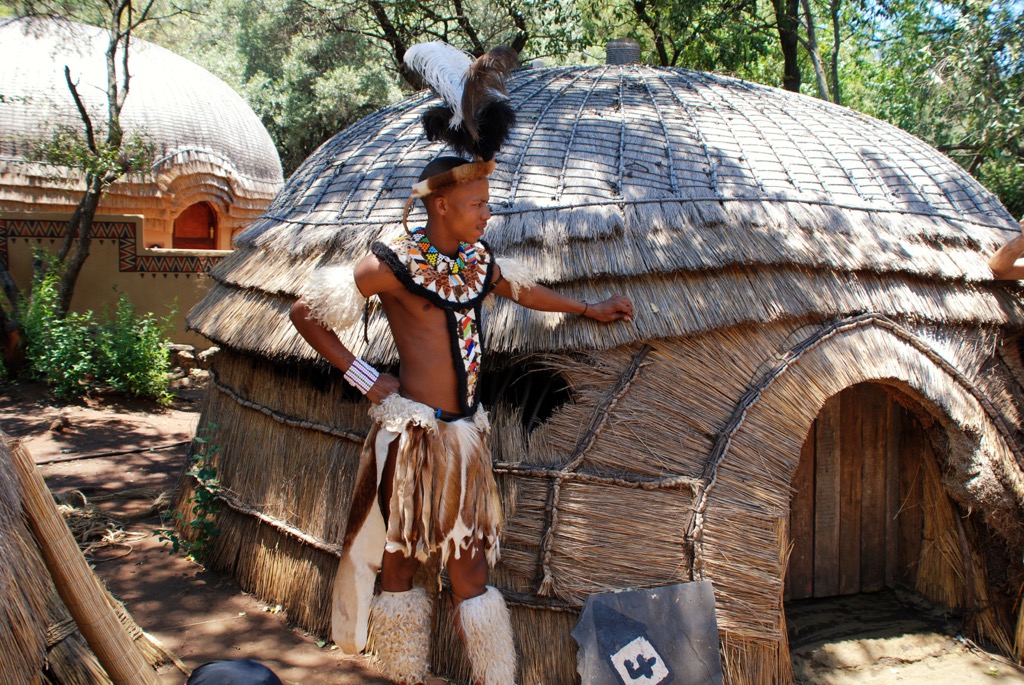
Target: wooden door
856	515
196	228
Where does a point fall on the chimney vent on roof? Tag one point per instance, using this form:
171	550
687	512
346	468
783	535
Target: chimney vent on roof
622	51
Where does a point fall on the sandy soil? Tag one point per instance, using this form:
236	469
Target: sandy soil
107	446
886	637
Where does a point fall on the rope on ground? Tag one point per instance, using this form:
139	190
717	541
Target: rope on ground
110	453
94	530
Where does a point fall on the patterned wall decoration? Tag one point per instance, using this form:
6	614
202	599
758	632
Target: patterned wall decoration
124	232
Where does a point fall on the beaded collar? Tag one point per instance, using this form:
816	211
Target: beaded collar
457	280
456	285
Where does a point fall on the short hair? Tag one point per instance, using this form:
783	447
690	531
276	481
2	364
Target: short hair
442	173
436	167
439	165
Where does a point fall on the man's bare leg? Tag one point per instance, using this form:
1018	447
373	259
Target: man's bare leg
468	573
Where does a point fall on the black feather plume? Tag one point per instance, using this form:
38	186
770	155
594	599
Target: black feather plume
476	117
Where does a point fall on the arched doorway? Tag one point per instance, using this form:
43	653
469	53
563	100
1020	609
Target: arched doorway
857	515
196	228
870	514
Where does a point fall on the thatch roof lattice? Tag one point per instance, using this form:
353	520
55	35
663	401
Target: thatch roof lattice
709	200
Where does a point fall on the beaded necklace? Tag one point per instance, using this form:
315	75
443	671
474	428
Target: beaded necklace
466	255
456	285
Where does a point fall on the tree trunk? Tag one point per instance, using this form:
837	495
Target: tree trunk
836	39
653	22
9	287
83	241
11	346
788	22
812	49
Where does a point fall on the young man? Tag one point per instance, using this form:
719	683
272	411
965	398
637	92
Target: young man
1004	262
426	461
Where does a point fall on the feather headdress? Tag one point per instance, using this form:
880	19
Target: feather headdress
476	116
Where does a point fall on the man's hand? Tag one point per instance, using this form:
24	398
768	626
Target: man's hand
614	308
385	385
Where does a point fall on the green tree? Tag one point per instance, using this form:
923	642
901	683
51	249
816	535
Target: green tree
310	68
725	35
100	148
304	77
951	73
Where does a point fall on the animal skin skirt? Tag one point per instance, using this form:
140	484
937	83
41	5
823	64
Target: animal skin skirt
444	499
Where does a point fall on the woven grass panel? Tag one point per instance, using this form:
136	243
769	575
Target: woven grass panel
691	441
26	586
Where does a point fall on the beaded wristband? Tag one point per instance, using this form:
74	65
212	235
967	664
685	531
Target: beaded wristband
361	375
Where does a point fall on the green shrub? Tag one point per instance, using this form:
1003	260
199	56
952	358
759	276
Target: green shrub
196	539
59	351
78	353
131	353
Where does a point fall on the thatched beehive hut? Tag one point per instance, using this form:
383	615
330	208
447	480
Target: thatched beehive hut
819	393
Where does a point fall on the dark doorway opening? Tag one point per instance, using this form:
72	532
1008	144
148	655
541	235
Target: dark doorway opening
196	228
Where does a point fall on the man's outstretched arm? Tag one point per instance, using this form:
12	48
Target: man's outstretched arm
543	299
1004	262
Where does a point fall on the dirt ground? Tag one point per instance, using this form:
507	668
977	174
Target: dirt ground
119	455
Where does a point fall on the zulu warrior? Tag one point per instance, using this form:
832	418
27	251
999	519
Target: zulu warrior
425	482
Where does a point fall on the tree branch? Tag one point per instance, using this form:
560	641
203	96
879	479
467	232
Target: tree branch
90	136
651	22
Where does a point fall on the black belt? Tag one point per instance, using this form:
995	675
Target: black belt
448	416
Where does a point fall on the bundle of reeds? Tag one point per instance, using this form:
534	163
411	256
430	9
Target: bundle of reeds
96	641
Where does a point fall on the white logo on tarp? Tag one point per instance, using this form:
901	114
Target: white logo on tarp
639	662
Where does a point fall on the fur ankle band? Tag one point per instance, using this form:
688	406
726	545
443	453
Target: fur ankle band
400	635
487	631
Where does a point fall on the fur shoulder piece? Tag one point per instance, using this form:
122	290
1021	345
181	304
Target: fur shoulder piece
333	298
517	274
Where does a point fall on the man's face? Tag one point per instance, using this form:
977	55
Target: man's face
466	210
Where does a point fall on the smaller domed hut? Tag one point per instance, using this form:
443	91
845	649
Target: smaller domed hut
214	159
215	169
819	394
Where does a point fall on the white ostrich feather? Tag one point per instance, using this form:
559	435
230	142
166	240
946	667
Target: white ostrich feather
444	68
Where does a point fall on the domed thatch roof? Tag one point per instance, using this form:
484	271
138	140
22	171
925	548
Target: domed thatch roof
710	201
192	117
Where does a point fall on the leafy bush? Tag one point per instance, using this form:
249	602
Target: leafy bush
131	353
59	351
196	538
78	353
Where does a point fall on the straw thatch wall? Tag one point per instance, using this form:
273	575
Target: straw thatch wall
210	146
778	250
